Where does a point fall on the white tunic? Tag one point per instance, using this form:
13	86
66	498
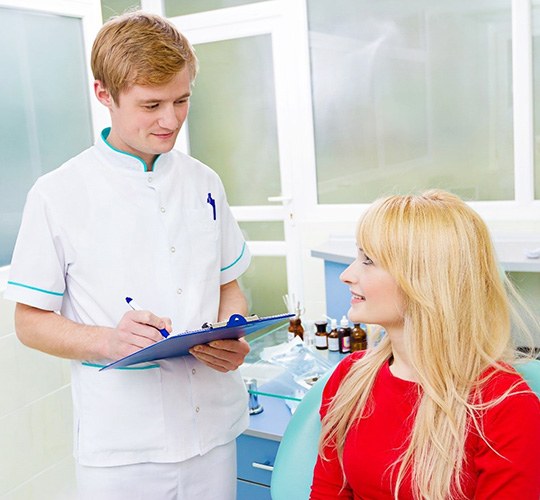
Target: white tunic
101	228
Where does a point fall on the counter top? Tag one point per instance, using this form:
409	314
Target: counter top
510	251
272	422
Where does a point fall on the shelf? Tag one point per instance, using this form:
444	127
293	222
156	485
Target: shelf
276	381
510	252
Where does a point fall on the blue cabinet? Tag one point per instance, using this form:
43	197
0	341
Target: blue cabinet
256	449
252	491
255	460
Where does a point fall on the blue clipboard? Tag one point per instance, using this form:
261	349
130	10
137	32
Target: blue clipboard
179	345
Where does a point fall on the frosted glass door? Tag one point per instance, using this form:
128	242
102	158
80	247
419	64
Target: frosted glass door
45	116
232	122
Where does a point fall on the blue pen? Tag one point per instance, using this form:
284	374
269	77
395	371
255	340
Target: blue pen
212	202
135	307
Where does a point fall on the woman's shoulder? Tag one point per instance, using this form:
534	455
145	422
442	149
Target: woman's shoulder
339	373
345	365
504	385
501	378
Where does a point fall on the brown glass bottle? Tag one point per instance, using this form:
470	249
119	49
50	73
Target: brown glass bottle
296	328
321	335
358	338
333	337
344	336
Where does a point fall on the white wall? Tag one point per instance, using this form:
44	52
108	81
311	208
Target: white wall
35	420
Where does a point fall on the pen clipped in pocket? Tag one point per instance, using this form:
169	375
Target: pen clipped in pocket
212	203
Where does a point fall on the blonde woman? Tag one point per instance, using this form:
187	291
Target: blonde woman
436	410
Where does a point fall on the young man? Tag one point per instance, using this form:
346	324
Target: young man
130	216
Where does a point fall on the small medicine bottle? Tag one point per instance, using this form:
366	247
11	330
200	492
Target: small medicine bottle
295	328
333	337
321	336
344	336
358	338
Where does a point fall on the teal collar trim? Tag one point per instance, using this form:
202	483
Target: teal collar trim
14	283
239	257
105	134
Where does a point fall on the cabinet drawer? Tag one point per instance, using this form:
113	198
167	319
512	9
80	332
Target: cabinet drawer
255	458
252	491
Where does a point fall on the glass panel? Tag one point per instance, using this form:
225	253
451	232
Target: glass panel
536	95
412	95
176	8
232	121
110	8
265	284
262	231
528	285
45	115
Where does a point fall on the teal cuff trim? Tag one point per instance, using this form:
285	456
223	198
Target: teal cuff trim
239	257
14	283
146	367
105	133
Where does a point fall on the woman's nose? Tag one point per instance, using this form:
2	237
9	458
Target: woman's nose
346	276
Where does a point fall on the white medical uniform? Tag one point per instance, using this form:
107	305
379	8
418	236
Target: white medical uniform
101	228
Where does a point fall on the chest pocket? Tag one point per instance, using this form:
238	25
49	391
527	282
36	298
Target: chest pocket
203	233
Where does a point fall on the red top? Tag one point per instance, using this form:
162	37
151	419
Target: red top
372	445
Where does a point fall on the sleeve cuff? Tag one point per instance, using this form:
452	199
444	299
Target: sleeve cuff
237	267
33	296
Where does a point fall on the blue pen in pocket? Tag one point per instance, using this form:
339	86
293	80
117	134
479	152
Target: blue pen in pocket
212	202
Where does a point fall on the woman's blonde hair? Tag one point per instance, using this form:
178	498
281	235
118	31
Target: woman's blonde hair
138	48
457	323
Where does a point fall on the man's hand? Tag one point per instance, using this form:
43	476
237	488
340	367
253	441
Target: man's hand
136	330
52	333
222	355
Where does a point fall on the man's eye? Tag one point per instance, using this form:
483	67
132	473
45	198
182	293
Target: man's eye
151	106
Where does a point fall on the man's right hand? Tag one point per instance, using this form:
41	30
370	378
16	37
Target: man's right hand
52	333
136	330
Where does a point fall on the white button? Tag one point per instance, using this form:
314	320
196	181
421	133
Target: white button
178	291
150	179
197	409
193	371
173	249
162	210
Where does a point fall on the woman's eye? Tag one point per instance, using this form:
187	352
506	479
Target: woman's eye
367	261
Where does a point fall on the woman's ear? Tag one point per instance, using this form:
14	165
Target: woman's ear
102	94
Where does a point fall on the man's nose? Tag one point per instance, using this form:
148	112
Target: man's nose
168	118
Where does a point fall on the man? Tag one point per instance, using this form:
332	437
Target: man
130	216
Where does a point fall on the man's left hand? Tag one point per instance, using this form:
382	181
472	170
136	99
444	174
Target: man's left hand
222	355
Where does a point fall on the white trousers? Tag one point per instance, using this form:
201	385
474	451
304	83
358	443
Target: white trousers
204	477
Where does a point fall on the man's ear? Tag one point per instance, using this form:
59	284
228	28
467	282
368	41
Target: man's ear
102	94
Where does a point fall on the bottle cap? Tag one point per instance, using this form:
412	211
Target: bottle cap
321	326
333	323
344	321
